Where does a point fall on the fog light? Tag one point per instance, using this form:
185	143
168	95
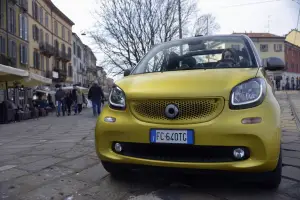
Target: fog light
251	120
109	119
118	147
239	153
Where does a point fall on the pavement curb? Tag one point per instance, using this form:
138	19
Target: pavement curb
297	116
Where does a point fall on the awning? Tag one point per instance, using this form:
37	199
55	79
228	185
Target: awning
71	88
8	73
34	80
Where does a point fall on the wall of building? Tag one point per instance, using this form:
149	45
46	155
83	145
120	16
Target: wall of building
293	37
44	35
270	42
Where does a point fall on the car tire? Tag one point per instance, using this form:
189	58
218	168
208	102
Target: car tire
116	170
274	178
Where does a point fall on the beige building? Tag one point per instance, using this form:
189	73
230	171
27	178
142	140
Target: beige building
50	41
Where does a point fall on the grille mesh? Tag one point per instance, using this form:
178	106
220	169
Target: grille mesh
190	111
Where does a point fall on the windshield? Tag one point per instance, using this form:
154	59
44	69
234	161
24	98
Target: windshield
197	53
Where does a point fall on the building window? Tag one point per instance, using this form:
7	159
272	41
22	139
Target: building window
69	51
41	15
264	48
35	32
12	49
57	64
23	54
11	21
74	48
35	11
42	63
47	64
23	24
63	48
235	46
70	73
36	60
56	28
78	52
41	38
47	38
63	32
56	44
278	47
69	36
46	20
2	45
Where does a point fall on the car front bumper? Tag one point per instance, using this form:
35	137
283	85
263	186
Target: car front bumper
262	139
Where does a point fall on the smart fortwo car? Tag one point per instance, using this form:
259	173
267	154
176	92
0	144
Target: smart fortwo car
201	103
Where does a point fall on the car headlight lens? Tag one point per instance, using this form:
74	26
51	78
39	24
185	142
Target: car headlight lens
117	98
248	94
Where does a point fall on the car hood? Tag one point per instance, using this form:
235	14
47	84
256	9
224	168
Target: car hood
184	84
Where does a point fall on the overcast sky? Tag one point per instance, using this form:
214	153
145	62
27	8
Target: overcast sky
276	16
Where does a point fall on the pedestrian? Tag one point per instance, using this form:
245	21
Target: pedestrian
74	98
96	96
69	101
59	100
80	100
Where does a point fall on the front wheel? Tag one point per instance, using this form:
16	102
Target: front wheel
274	179
116	170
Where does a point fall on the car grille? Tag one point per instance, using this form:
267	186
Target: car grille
180	153
190	111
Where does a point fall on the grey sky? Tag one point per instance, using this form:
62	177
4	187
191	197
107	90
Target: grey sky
232	15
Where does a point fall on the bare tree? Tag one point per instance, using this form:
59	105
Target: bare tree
127	29
205	25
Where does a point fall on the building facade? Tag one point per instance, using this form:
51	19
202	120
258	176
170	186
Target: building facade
14	36
50	41
90	61
79	69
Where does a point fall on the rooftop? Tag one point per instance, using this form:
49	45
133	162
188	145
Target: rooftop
260	35
59	12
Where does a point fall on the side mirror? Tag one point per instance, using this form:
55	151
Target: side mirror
273	64
127	72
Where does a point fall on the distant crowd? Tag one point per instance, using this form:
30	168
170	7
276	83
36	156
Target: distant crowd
75	98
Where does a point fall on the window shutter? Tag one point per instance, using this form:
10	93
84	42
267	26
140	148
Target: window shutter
9	49
21	54
14	49
37	33
3	45
21	26
33	32
14	22
25	28
26	54
33	9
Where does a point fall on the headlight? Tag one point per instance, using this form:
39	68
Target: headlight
117	98
248	94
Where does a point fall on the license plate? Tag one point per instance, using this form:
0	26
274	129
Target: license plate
172	136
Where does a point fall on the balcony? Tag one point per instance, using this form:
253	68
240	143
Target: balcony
46	49
24	5
57	54
48	74
65	57
14	1
62	75
4	60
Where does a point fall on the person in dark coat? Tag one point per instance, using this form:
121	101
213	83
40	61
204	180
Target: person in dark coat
74	98
59	100
69	102
96	95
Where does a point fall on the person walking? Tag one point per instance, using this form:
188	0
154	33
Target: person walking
96	95
69	101
59	100
74	98
80	100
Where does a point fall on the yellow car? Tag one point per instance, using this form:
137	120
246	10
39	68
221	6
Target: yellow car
201	103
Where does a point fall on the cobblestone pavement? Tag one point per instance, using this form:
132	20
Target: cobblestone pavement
54	158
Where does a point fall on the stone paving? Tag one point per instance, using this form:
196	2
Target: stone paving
54	158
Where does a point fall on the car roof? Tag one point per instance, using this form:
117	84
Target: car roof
206	37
